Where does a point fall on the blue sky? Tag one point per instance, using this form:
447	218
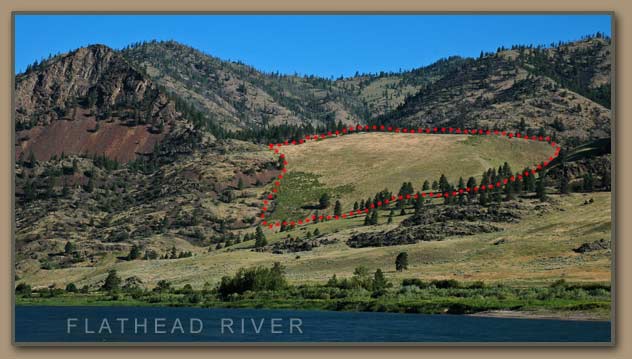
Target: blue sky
323	45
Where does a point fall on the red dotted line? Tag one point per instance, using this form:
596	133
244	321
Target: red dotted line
366	128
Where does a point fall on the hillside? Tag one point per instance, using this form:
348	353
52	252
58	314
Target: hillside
237	96
161	150
92	101
562	89
538	250
356	167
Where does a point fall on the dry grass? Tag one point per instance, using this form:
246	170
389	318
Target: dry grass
371	162
538	250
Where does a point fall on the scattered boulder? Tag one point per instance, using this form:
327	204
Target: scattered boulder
593	246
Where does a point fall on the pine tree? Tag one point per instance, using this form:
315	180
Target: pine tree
471	183
482	194
112	282
401	261
444	185
374	217
419	203
324	201
260	238
337	209
425	186
379	280
69	247
134	253
461	198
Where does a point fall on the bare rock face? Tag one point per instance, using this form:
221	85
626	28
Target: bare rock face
92	101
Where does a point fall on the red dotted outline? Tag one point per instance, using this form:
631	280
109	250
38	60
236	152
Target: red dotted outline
268	197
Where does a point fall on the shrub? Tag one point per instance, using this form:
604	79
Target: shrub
445	283
23	289
253	279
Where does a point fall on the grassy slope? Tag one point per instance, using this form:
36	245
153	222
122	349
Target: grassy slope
538	251
355	167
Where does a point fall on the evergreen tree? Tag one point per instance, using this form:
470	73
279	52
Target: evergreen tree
482	194
461	198
379	281
506	171
444	185
419	203
425	186
112	282
529	181
69	247
374	217
518	184
333	281
337	209
260	238
134	253
401	261
471	183
324	201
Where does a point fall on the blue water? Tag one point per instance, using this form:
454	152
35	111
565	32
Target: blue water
50	324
